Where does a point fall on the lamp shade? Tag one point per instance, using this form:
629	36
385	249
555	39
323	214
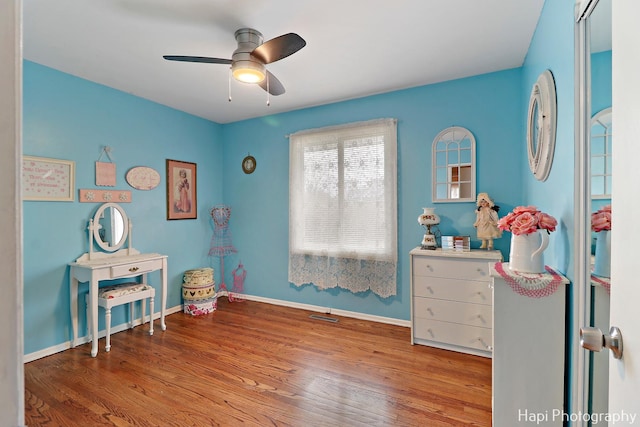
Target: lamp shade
428	217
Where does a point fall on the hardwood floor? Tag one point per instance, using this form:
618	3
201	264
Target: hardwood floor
257	364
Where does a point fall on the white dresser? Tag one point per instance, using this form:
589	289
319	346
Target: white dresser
528	363
451	299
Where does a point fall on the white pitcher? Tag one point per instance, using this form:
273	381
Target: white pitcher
602	265
527	252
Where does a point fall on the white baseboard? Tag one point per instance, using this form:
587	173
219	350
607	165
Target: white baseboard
124	326
327	310
85	339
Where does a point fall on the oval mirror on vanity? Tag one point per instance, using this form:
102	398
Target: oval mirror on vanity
110	229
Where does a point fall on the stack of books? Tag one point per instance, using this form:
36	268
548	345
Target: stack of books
456	243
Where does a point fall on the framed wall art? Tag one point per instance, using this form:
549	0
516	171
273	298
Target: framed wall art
181	190
48	179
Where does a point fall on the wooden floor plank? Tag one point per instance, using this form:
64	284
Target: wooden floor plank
257	364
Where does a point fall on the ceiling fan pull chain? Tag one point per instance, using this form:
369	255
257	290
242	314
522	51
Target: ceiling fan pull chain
229	84
268	93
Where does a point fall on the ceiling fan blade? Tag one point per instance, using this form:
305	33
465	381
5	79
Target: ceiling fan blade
279	48
197	59
275	88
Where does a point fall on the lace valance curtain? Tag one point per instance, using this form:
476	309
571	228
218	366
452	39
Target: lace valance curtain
343	207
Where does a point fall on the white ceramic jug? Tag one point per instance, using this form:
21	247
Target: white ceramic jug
602	262
527	252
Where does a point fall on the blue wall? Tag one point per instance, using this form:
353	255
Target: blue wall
69	118
600	81
552	47
488	105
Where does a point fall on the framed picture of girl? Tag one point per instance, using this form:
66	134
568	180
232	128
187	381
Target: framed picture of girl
181	190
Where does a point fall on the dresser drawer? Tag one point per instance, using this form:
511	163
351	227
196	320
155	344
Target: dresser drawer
454	334
452	311
467	269
133	269
452	289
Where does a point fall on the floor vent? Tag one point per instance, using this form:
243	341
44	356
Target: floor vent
325	318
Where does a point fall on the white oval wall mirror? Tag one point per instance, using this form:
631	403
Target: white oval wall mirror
541	126
110	227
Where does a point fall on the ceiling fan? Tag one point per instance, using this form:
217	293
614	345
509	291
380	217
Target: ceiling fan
249	59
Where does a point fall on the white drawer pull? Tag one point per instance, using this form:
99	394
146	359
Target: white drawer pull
431	332
430	290
484	344
430	311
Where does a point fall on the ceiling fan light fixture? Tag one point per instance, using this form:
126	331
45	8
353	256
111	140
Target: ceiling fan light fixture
248	71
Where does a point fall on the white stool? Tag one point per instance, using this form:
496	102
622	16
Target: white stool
124	293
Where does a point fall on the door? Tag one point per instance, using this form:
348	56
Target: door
624	374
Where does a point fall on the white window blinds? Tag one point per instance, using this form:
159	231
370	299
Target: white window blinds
343	207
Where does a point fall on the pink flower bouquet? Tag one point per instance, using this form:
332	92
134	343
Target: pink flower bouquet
526	220
601	219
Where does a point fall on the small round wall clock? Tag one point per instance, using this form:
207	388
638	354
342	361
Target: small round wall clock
249	164
143	178
541	126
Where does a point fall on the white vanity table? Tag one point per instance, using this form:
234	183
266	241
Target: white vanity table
111	224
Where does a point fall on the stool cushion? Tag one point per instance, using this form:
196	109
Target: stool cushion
115	291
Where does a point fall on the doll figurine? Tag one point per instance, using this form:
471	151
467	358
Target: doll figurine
487	221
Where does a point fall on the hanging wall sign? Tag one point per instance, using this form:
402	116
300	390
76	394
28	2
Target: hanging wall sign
106	171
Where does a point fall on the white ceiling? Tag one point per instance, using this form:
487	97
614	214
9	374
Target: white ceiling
354	48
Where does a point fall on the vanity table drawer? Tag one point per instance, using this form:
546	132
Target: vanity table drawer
452	311
454	334
467	269
135	268
452	289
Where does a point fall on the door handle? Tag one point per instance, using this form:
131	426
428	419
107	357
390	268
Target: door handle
594	340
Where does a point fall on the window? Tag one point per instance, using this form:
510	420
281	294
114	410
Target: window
343	207
454	169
